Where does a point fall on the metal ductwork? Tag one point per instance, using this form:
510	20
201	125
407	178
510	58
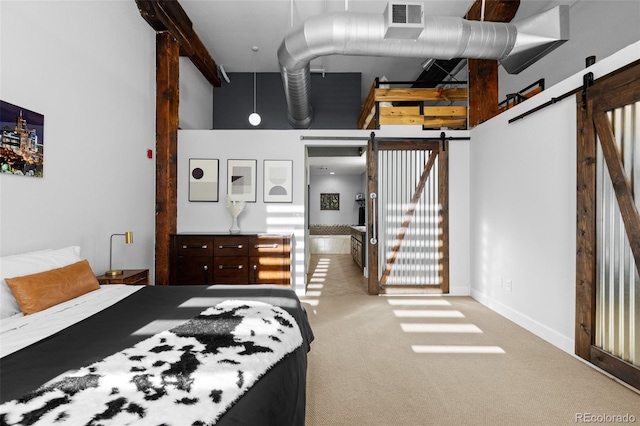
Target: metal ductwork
516	45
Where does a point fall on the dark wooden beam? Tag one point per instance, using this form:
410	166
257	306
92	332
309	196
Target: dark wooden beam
483	73
585	232
168	15
494	10
167	98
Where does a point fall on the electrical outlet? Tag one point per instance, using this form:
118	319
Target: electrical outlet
509	285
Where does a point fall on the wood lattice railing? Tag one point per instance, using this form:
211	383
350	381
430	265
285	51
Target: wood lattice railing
379	109
406	106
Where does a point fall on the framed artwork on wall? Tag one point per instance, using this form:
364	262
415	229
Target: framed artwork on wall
330	201
241	180
22	141
278	176
203	179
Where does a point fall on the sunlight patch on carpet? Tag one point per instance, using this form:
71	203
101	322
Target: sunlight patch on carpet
456	349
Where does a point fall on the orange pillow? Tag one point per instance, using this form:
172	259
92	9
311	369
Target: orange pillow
40	291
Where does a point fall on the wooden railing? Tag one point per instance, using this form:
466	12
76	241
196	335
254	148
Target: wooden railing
514	99
406	106
379	108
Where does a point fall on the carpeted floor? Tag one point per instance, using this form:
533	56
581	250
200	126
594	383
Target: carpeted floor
440	360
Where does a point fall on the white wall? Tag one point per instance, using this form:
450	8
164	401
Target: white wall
89	67
290	217
345	185
596	28
523	203
196	98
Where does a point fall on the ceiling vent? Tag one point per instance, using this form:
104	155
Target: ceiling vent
403	20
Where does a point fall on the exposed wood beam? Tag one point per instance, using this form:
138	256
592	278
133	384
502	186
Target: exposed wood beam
167	98
168	15
483	73
175	37
585	231
494	10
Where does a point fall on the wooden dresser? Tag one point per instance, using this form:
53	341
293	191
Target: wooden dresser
205	259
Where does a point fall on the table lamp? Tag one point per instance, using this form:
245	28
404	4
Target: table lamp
128	239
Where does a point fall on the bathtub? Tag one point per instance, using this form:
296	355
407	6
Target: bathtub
330	244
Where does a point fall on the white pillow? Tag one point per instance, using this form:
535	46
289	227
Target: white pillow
30	263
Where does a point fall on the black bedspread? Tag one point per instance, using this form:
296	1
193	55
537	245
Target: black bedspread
276	399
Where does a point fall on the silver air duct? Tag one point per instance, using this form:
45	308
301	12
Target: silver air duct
362	34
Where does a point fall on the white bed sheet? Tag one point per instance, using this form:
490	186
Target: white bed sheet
19	331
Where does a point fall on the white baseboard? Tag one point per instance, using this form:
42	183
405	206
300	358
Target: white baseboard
562	342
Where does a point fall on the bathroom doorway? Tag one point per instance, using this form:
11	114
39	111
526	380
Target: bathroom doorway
336	179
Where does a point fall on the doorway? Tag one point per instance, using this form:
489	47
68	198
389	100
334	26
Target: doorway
336	179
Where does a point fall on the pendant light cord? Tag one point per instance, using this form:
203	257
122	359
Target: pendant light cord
254	82
254	117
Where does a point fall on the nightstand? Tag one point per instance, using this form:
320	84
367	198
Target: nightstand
129	276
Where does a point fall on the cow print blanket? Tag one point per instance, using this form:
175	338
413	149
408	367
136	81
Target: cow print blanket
189	375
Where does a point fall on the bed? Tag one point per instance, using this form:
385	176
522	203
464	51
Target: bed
133	329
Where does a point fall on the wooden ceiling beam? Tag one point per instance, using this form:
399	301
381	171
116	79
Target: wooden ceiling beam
168	15
483	73
494	10
167	102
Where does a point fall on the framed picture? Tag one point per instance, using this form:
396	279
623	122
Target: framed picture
22	141
278	176
241	180
330	201
203	179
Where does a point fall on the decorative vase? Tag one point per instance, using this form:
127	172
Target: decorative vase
234	226
235	207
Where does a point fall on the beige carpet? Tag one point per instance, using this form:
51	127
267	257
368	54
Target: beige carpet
439	360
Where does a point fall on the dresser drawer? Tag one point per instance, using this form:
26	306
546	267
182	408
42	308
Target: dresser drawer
206	259
264	245
230	270
230	246
194	270
268	270
194	245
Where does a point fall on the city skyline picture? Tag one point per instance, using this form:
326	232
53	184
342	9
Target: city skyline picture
22	141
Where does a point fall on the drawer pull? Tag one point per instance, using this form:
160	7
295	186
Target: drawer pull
204	247
239	246
230	266
206	267
262	246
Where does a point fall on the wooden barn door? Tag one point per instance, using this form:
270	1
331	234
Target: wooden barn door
608	232
408	216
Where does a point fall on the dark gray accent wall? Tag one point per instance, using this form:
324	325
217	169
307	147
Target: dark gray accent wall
335	98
